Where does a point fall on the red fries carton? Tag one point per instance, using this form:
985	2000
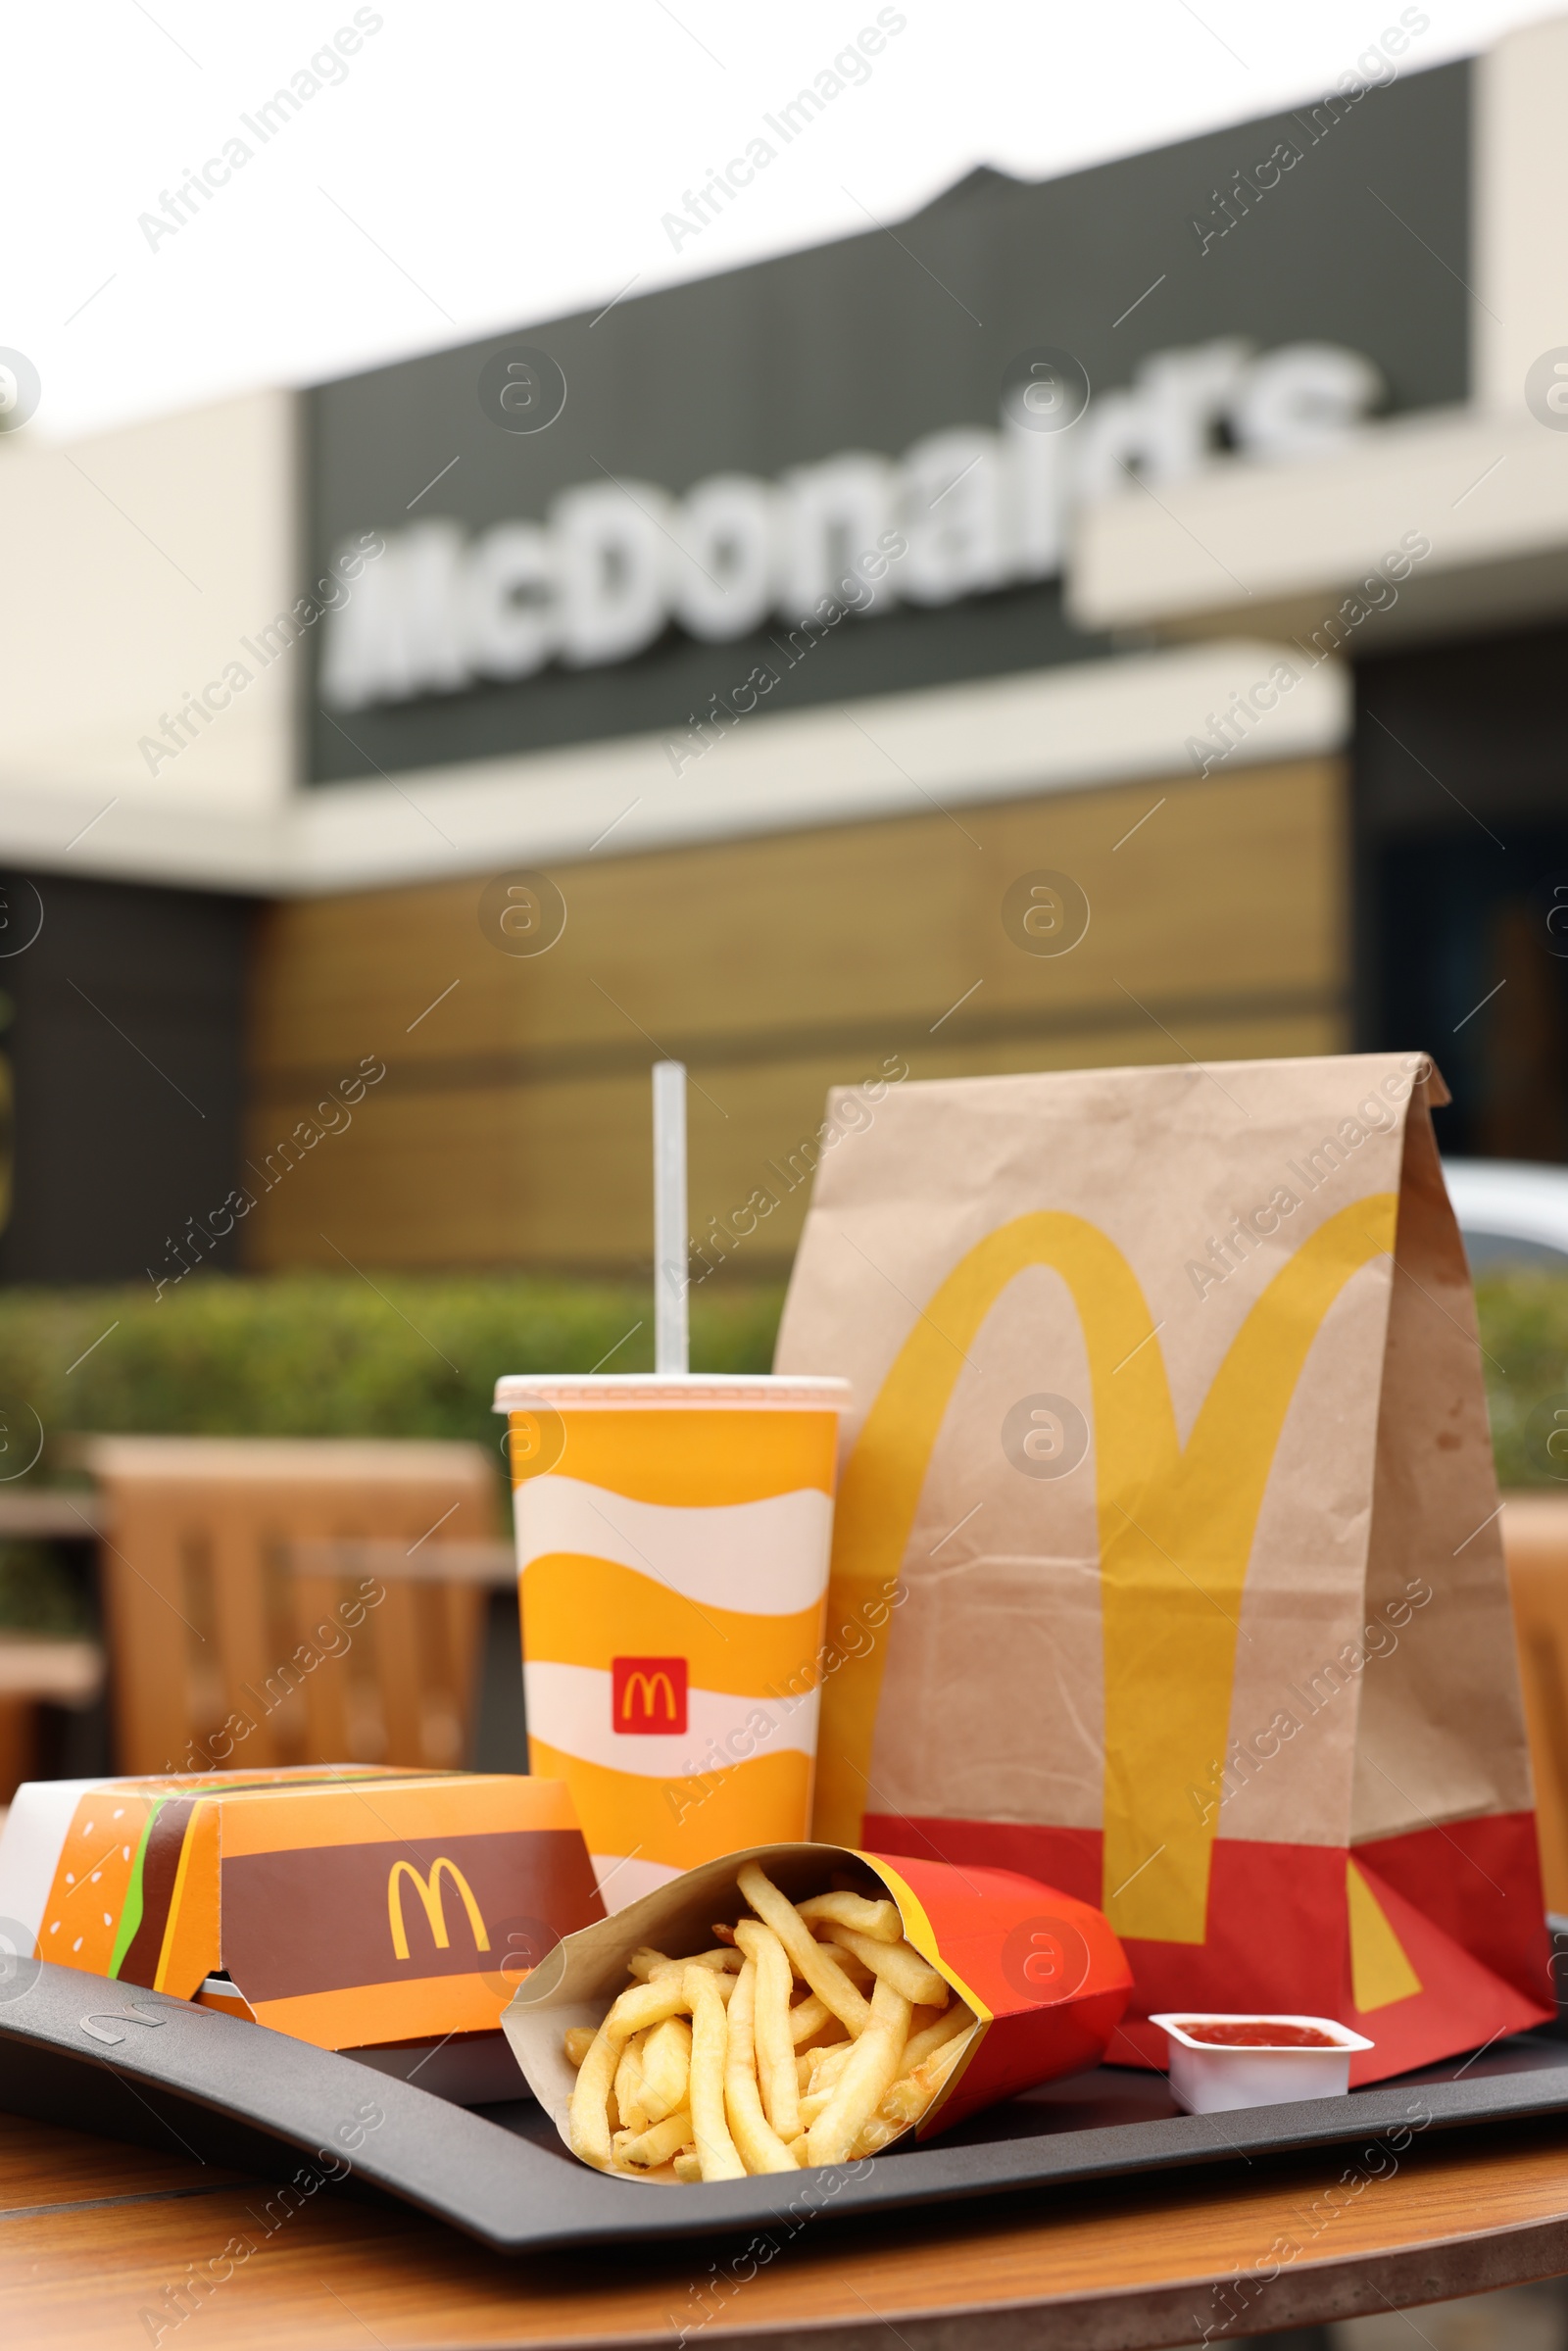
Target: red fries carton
1043	1973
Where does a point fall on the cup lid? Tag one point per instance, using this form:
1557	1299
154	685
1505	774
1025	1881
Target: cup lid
749	1392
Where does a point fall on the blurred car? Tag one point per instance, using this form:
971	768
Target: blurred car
1510	1211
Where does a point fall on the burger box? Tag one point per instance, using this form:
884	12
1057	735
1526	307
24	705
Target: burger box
386	1914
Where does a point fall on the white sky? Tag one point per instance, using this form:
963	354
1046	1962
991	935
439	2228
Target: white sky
485	165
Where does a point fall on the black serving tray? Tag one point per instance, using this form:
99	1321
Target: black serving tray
107	2057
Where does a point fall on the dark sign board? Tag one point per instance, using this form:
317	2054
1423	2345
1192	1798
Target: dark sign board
882	493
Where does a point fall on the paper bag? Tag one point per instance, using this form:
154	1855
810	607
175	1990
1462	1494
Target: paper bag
1166	1562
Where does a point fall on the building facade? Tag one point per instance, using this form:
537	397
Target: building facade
1114	620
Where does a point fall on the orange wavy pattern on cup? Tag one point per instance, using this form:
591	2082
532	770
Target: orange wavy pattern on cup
714	1458
585	1611
682	1822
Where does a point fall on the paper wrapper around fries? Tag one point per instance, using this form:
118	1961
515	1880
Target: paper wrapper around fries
1042	1976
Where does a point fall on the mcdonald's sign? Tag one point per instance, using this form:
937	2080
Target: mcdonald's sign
647	1695
429	1892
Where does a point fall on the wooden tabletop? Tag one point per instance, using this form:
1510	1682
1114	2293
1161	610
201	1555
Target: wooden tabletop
99	2243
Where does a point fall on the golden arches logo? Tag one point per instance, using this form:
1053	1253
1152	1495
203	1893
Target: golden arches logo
1176	1528
429	1893
648	1687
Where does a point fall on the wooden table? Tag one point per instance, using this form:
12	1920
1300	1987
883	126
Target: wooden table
96	2240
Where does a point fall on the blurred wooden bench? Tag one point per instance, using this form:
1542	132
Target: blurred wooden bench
1535	1537
283	1600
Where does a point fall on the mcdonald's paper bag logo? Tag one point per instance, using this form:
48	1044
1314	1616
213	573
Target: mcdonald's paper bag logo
647	1695
431	1895
1176	1523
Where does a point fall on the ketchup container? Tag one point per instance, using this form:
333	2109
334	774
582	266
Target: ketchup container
1211	2074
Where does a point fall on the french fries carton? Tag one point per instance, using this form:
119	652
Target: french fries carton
907	1996
348	1906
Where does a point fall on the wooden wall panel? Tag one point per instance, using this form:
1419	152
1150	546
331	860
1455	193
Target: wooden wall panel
511	1125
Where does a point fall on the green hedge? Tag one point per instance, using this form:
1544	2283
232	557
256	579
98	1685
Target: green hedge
1524	1333
38	1593
330	1356
325	1354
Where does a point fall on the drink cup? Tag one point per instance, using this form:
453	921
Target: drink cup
674	1534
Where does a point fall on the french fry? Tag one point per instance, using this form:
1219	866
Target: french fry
634	2117
674	1969
879	1920
772	2028
869	2073
829	2063
647	1963
809	2016
704	2070
645	2004
644	1961
915	2087
666	2057
958	2018
877	2134
589	2119
922	2016
911	2095
854	1967
760	2147
899	1964
664	2140
813	1961
716	2153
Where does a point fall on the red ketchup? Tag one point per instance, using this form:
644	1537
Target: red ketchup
1244	2033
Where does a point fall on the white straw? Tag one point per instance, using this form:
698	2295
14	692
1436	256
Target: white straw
671	1240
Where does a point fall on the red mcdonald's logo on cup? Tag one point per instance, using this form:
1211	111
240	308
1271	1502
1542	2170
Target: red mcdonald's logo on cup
648	1694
